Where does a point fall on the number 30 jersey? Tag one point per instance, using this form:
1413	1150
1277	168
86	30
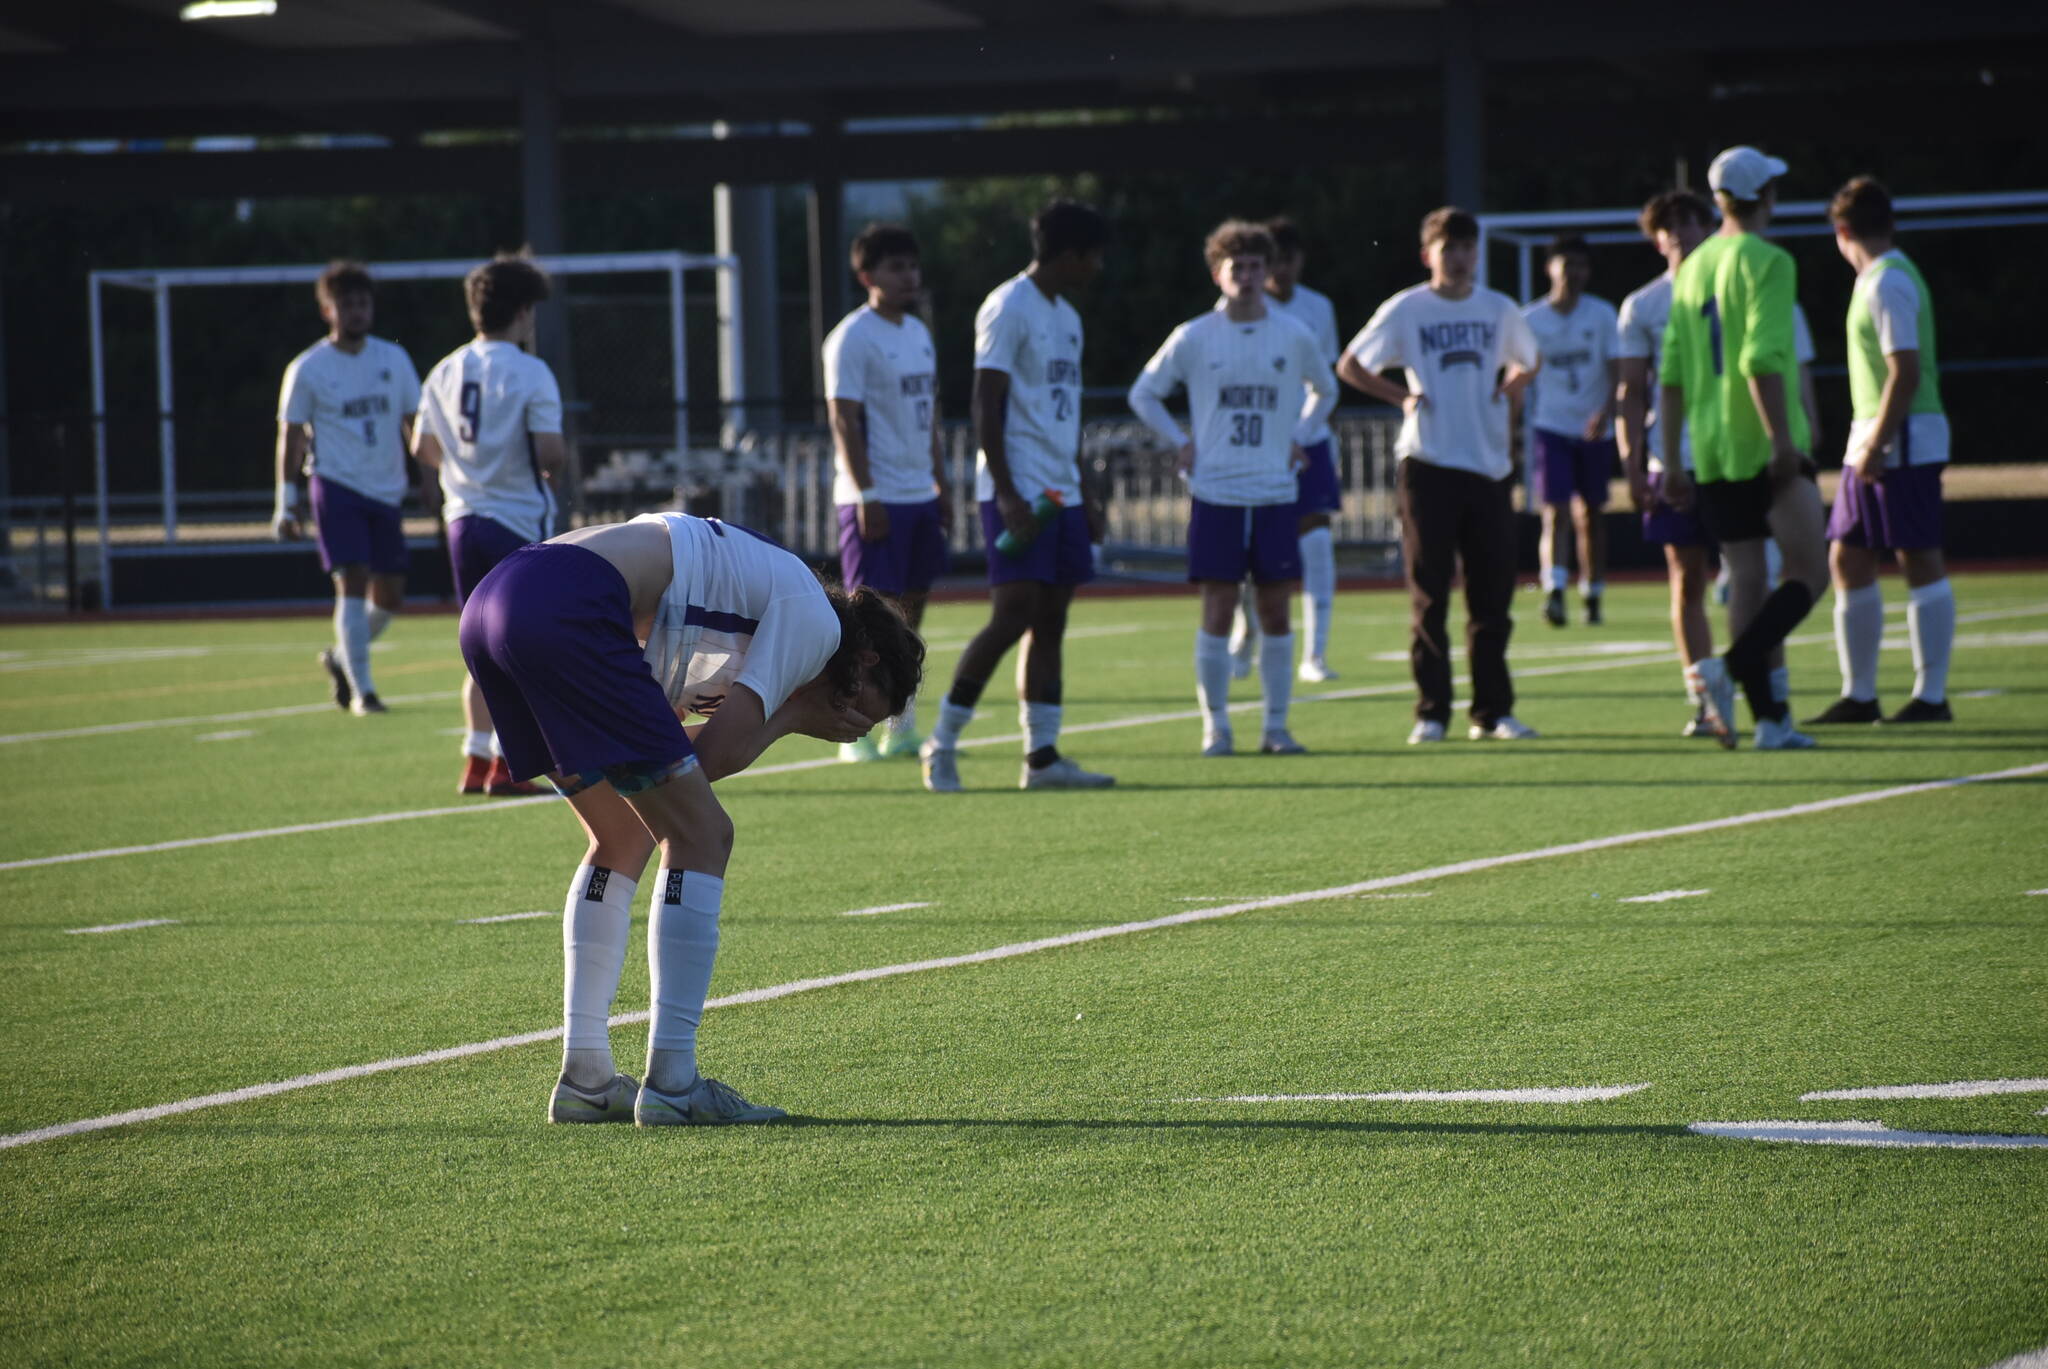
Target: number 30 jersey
1036	342
483	403
355	404
1254	390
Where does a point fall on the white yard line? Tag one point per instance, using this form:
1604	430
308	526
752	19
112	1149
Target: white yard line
1968	1088
1863	1134
122	926
772	992
232	735
883	908
2032	1359
147	724
1595	1094
1666	896
505	917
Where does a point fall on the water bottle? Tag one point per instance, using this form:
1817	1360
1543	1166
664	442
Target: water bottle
1044	511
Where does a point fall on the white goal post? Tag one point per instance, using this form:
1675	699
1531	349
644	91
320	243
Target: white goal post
158	284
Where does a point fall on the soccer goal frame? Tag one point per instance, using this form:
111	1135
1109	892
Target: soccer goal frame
158	284
1529	233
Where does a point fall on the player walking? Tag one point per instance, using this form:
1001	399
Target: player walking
1027	421
1469	354
1571	417
1729	367
344	418
491	427
737	630
1245	367
890	488
1890	494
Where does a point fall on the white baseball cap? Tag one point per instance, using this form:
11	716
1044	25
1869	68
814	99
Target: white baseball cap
1744	172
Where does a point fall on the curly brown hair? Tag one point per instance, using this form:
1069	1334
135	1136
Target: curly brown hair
1236	238
500	288
871	622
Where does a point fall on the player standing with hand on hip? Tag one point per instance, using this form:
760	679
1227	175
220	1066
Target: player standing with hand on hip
491	427
355	395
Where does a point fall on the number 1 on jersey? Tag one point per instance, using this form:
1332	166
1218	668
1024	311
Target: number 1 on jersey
1711	311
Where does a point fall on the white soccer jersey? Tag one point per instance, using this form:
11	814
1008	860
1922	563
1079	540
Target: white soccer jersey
1245	385
355	405
483	404
1312	310
739	610
1576	348
1644	313
1037	343
890	370
1454	351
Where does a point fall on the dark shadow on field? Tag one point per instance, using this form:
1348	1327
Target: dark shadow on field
1243	1124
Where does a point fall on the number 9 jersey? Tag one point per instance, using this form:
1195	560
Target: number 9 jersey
1036	342
483	403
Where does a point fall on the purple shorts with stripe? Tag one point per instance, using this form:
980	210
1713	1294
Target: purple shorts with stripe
906	561
356	530
1228	542
475	545
1061	554
1902	510
1316	486
548	636
1671	527
1566	466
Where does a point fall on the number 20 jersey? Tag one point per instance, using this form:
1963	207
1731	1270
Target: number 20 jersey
483	403
1036	342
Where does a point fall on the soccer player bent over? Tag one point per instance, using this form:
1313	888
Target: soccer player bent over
1890	494
1244	367
1027	421
1468	354
881	385
736	630
356	396
1571	418
491	427
1729	367
1676	221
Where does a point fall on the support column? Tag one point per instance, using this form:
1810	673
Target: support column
827	216
1464	160
749	375
540	184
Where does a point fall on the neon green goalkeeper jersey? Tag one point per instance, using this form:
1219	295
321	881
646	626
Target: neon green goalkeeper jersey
1734	296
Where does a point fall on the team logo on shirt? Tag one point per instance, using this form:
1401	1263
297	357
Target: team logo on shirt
1280	363
1457	343
384	374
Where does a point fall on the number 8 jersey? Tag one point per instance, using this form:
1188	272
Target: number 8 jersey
1036	342
355	404
483	403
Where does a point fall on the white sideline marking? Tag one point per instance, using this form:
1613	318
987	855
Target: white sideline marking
121	926
883	908
1420	893
1596	1094
1020	948
2036	893
1862	1134
1981	694
1968	1088
146	724
504	917
1666	896
2032	1359
231	735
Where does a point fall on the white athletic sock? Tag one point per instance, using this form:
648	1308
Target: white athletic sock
1781	684
1555	577
1859	632
379	618
952	719
497	747
352	635
1041	724
905	723
1695	692
481	745
595	923
1212	682
682	941
1276	678
1931	626
1318	589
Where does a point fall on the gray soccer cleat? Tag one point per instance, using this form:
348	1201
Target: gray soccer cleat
1315	670
1280	743
1426	730
706	1103
612	1103
1219	744
941	768
1781	736
1062	774
1717	689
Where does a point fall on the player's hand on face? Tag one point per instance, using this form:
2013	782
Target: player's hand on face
1016	512
873	518
1184	459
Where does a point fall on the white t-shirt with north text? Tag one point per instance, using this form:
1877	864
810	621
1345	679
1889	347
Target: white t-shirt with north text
1453	351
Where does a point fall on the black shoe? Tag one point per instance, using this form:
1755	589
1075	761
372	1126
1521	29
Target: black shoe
1918	710
1848	711
342	693
1553	608
1592	610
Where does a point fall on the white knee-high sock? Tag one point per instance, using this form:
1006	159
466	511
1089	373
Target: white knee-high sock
1276	678
378	618
1931	626
1041	724
1212	682
1318	589
682	943
352	636
953	719
481	745
1859	631
595	924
